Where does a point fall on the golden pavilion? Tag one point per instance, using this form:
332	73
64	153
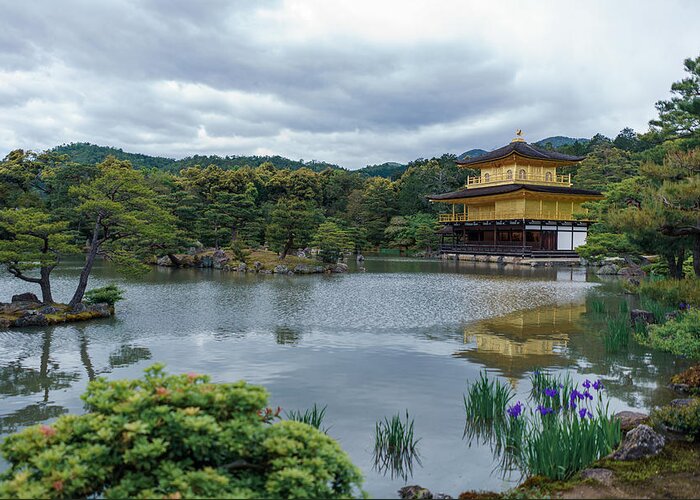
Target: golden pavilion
518	205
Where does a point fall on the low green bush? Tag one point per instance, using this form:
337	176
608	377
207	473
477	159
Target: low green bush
110	294
672	292
683	419
171	437
680	335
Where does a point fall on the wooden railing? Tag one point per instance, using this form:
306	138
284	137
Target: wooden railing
510	215
503	248
553	180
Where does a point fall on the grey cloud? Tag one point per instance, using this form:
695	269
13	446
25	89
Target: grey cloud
151	76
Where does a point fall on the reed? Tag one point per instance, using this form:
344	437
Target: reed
312	416
549	389
598	306
395	446
617	333
658	309
564	443
485	407
567	431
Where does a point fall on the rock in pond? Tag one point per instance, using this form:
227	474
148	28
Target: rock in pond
640	442
25	297
631	419
640	315
339	268
280	269
607	269
31	318
303	269
414	492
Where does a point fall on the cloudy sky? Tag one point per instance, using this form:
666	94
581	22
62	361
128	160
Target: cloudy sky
350	82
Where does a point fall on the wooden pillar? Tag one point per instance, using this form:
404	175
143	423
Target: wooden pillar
465	211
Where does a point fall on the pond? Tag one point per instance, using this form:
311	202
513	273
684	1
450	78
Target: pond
404	335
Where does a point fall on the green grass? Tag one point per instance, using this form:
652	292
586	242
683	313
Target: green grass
395	446
313	416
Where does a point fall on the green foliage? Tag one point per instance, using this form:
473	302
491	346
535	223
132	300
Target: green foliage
292	222
395	447
414	231
605	164
680	335
616	335
388	170
555	440
311	416
601	245
110	294
683	419
484	405
558	446
332	241
680	116
672	292
175	436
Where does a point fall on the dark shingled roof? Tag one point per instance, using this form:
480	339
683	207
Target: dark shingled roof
523	149
510	188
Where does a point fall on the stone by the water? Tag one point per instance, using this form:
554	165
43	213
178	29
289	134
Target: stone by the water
414	492
640	315
640	442
25	297
631	419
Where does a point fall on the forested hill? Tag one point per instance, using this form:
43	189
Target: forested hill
88	154
558	141
388	170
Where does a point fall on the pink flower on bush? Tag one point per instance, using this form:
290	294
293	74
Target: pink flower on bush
47	430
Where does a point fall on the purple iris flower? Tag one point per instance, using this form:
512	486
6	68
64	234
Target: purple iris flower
582	413
515	410
587	394
587	384
550	392
598	385
575	395
544	410
572	405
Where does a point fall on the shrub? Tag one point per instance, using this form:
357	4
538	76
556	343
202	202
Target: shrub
689	377
175	436
600	245
109	294
683	419
673	292
680	335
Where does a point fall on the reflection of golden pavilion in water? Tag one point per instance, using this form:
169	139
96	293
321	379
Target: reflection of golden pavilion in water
523	340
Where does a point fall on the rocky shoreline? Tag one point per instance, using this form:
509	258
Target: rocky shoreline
267	264
27	310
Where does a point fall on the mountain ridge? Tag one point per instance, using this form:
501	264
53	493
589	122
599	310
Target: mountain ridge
87	153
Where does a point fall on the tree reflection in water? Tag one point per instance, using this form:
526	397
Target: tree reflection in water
21	382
